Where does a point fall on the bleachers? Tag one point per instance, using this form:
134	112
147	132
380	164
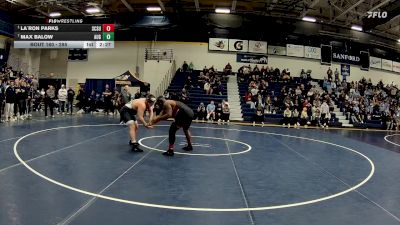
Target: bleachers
196	94
274	87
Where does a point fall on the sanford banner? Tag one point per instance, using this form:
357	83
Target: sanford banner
347	57
251	58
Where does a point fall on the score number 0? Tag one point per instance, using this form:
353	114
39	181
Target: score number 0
108	27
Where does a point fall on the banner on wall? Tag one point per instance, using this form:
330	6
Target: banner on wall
345	69
218	44
375	62
236	45
276	50
251	58
347	58
387	64
312	52
258	47
295	50
396	66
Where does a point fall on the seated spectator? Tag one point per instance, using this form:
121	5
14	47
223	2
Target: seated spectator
201	112
287	116
285	76
259	101
295	118
184	96
207	87
228	69
218	88
304	121
268	105
211	111
188	83
259	116
249	101
225	112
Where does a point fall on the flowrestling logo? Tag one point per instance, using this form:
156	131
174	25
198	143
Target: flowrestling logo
378	14
251	58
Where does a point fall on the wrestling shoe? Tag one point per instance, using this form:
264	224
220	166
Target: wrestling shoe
188	148
135	147
170	152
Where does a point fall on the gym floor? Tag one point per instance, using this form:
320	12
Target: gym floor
80	170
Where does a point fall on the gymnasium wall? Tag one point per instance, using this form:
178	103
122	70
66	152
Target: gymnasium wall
108	63
198	53
153	72
26	60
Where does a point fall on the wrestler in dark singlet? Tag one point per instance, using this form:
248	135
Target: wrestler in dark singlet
183	116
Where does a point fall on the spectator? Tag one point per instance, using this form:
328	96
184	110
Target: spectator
125	95
10	97
185	66
191	67
268	105
295	118
188	83
324	114
211	111
184	96
259	116
70	98
49	101
207	88
201	112
218	113
287	115
62	98
166	94
107	96
228	69
138	94
118	102
225	112
329	73
303	74
336	75
93	100
249	101
82	100
304	117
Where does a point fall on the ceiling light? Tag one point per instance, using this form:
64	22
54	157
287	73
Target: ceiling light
309	19
356	27
93	10
222	10
398	40
12	1
55	14
153	9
